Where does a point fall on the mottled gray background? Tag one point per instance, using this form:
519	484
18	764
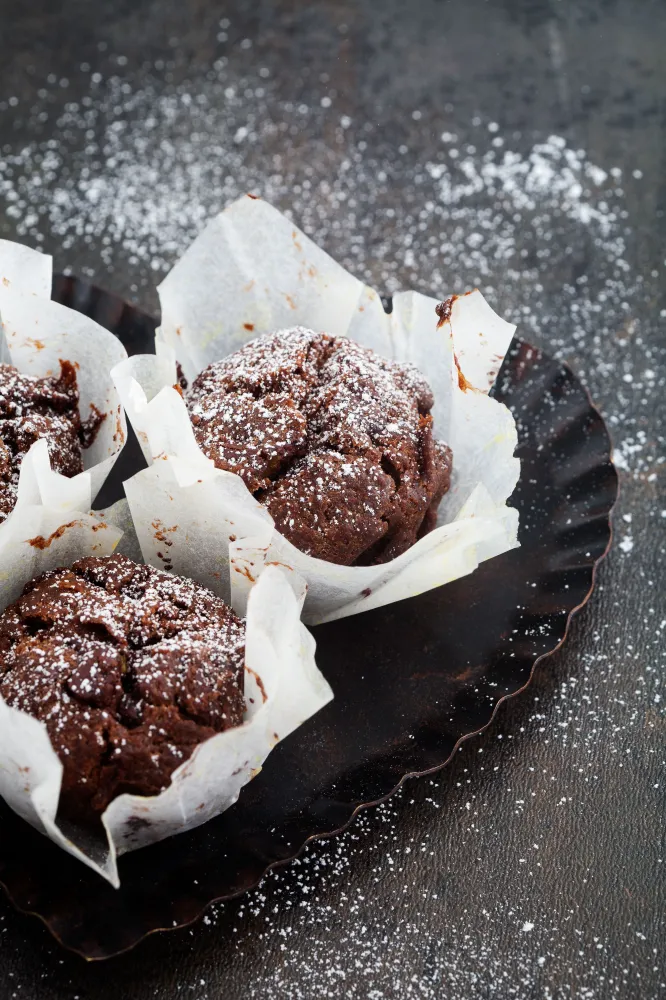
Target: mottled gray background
514	145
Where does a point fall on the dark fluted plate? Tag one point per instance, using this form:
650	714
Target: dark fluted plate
411	680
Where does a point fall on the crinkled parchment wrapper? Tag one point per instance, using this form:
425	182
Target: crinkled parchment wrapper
251	271
279	658
35	335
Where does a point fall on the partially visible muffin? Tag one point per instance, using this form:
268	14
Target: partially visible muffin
33	408
334	440
129	667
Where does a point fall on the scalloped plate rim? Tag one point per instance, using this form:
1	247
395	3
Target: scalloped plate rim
358	807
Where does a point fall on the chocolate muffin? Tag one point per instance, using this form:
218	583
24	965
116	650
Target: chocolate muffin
129	667
32	408
333	439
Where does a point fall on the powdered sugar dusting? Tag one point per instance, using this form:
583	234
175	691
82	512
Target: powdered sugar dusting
119	185
135	173
129	667
317	426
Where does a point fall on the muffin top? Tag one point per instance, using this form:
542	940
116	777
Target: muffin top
128	666
333	439
32	408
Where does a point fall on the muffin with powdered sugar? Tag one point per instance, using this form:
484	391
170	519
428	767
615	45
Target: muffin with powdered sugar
333	439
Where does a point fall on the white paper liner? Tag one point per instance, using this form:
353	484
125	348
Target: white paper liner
279	658
251	271
36	334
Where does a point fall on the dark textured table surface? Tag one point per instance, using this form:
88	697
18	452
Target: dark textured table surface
518	146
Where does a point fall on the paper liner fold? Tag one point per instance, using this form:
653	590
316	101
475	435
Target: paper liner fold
251	271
